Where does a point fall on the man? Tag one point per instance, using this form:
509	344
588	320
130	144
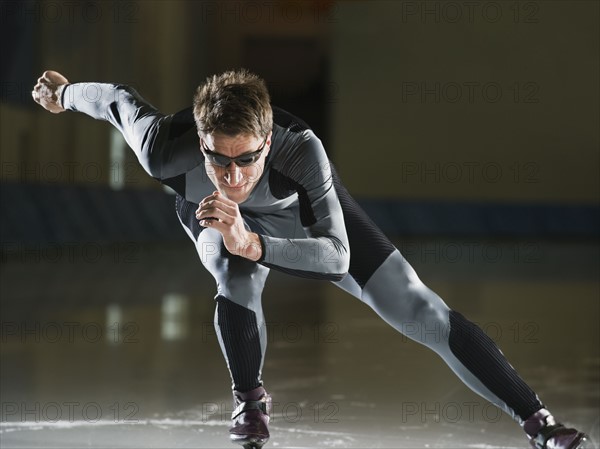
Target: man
255	190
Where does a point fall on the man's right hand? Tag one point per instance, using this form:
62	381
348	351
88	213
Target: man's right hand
48	90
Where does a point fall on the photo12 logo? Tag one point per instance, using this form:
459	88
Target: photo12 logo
469	92
449	412
69	11
72	411
70	332
450	12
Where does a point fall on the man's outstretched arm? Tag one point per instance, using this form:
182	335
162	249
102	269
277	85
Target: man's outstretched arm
165	145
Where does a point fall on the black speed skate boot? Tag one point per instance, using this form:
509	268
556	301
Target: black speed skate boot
545	433
250	418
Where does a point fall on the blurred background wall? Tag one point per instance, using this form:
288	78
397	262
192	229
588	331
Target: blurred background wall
496	101
442	117
467	129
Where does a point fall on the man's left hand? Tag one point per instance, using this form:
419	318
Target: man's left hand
216	211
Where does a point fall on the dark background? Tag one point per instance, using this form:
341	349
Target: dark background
468	131
427	108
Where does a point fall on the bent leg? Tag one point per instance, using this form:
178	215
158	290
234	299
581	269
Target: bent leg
239	319
381	277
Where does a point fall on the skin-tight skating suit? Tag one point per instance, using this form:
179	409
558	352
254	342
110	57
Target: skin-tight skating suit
308	226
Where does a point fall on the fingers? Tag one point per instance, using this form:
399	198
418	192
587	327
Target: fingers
41	88
44	83
220	226
231	210
224	199
208	198
38	91
215	210
44	80
216	194
47	89
219	201
51	79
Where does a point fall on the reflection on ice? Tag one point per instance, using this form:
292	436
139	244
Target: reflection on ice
339	376
175	317
114	316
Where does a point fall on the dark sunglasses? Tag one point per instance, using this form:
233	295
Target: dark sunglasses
241	161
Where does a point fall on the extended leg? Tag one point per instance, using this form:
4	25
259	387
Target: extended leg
396	293
381	277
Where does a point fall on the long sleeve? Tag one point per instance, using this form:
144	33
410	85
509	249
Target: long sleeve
166	145
324	253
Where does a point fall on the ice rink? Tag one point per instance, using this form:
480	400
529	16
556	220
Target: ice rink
114	347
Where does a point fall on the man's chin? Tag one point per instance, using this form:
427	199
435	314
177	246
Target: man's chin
235	195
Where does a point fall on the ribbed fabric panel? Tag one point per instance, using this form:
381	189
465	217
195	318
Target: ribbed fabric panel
369	247
481	356
186	211
239	332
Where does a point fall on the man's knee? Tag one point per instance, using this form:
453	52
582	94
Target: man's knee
415	310
422	304
238	279
241	280
426	315
208	250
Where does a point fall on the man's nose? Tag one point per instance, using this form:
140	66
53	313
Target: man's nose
233	175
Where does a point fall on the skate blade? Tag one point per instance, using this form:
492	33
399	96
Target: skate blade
584	443
251	442
253	446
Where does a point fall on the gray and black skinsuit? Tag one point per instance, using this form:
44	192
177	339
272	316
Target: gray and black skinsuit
309	226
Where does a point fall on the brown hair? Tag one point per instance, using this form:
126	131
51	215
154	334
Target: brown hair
232	103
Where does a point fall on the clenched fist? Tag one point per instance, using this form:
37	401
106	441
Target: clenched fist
48	90
220	213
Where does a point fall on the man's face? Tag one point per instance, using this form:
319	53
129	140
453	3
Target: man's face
233	181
